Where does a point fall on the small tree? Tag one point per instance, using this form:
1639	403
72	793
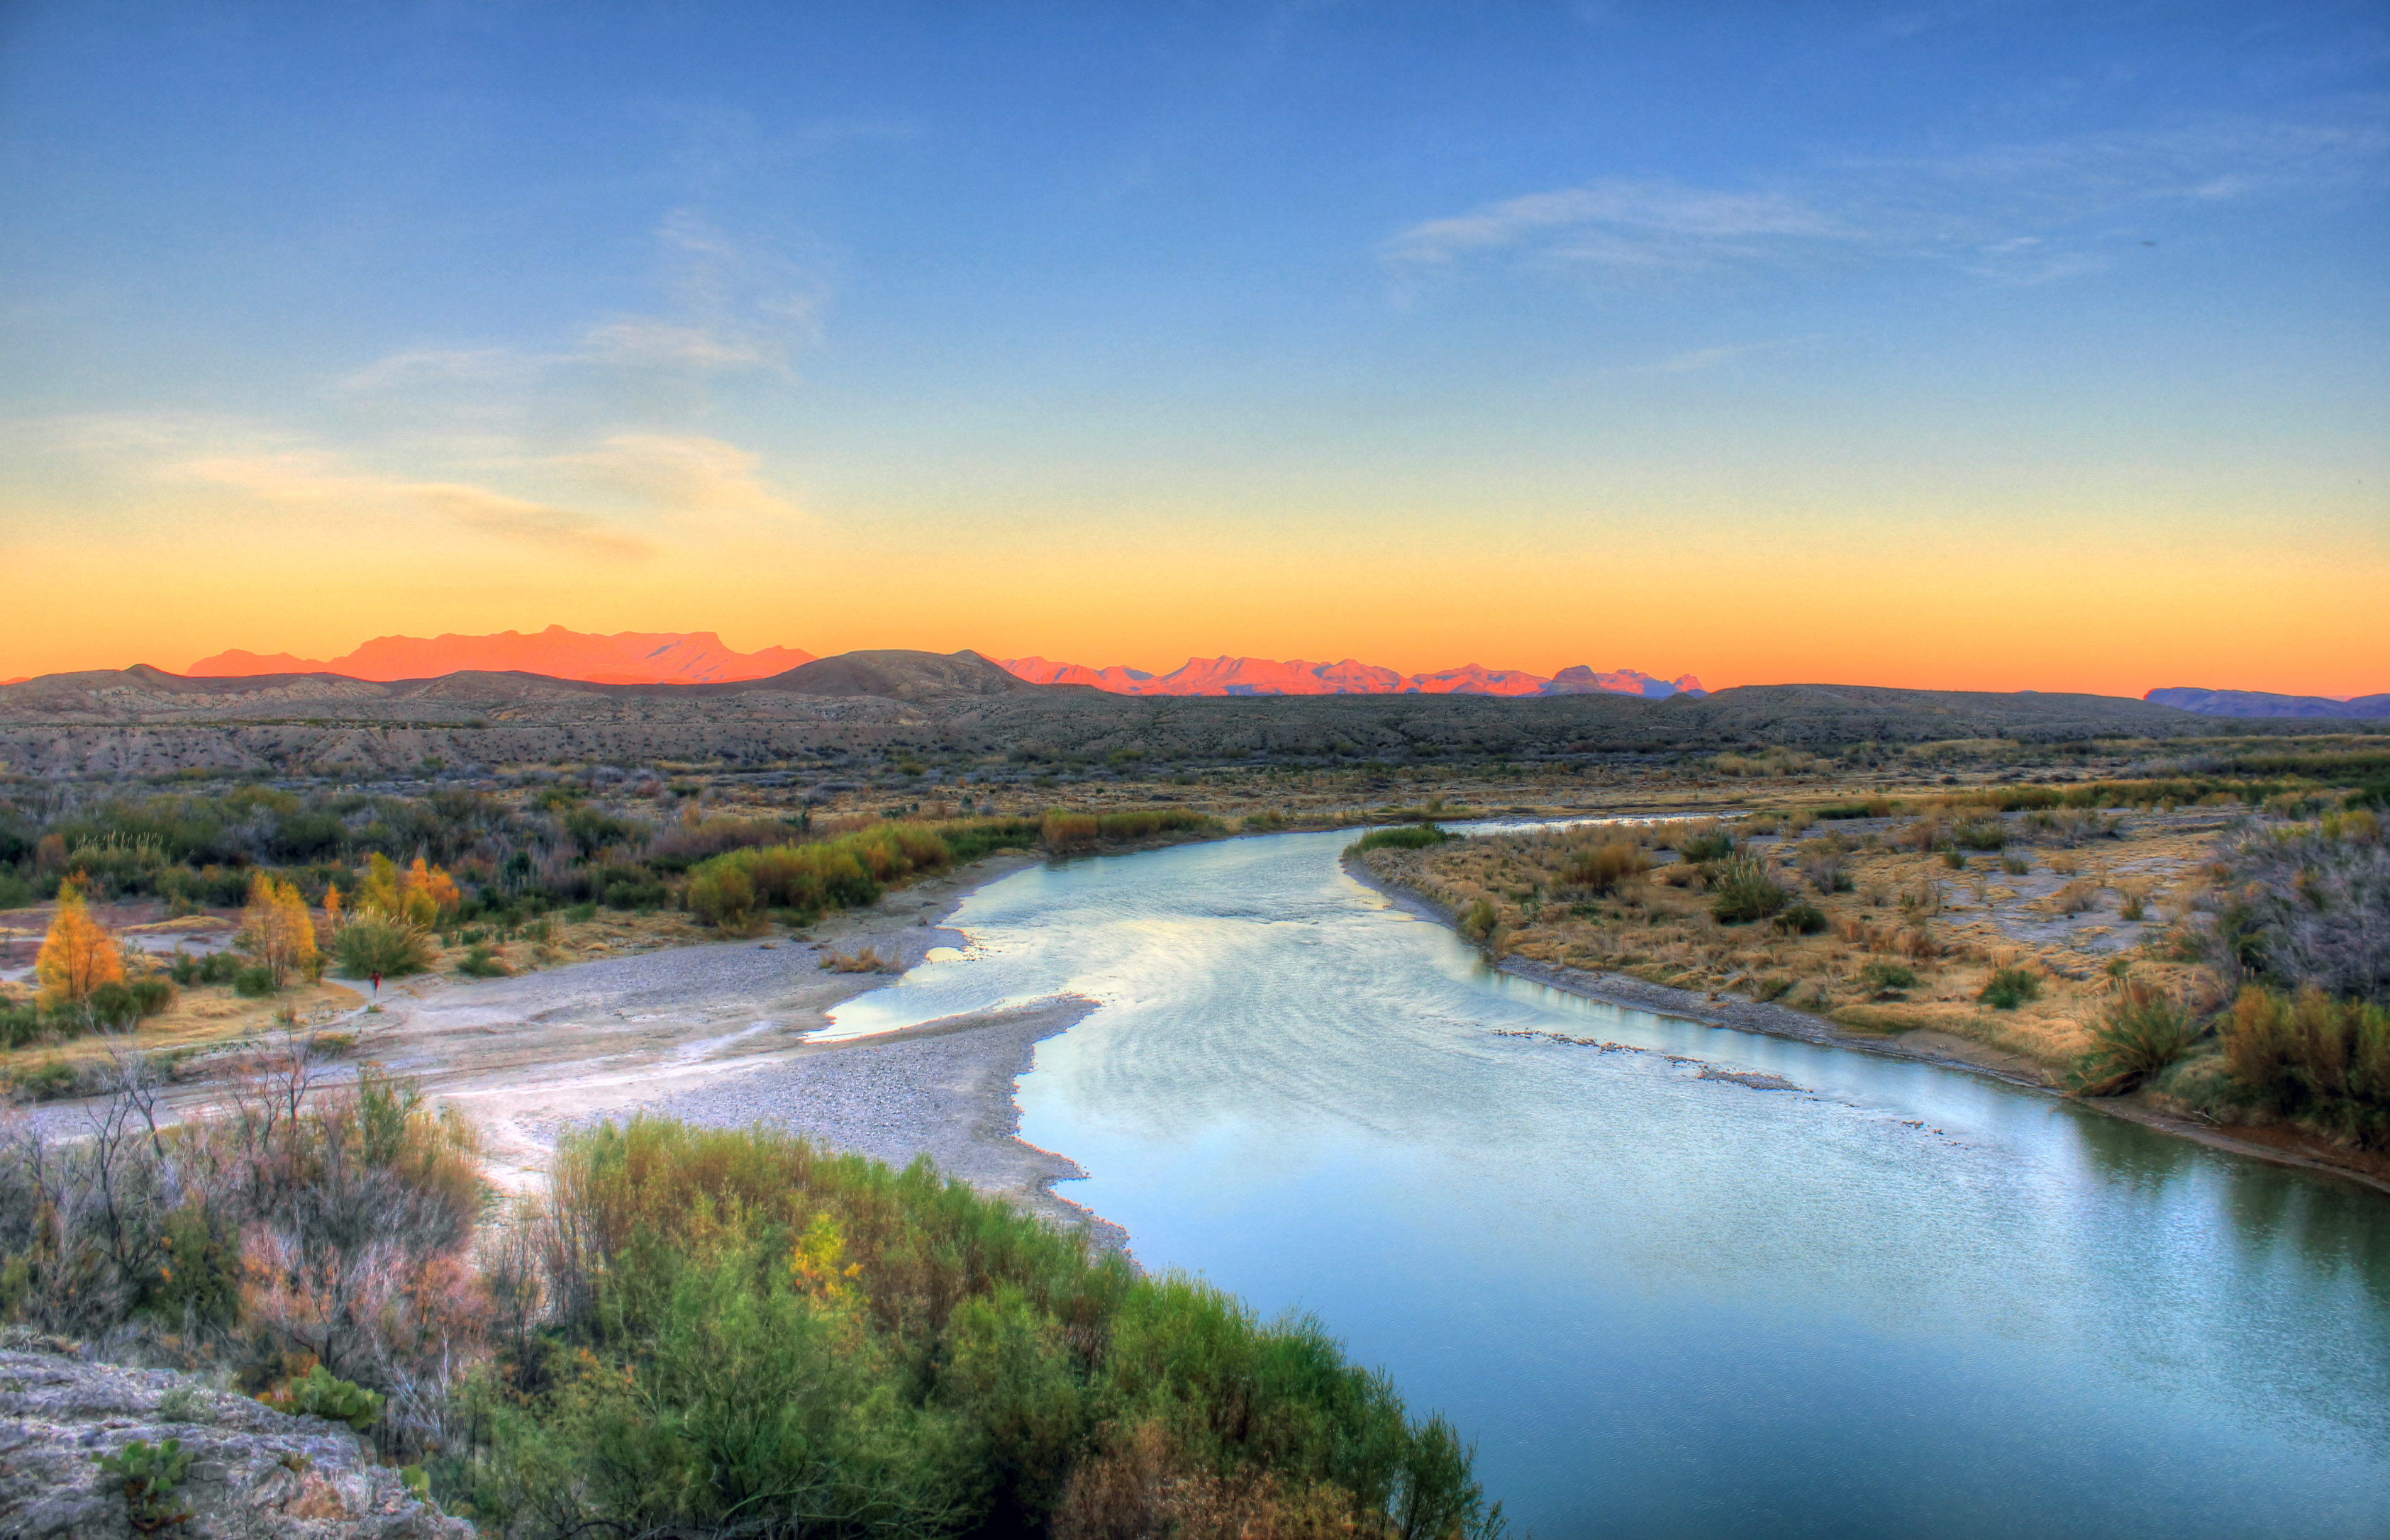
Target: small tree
279	932
78	954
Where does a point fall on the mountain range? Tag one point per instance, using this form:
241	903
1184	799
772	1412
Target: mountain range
701	658
625	658
2207	703
1226	675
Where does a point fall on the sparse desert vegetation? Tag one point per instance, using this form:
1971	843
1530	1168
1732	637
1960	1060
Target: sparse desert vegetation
2225	958
690	1331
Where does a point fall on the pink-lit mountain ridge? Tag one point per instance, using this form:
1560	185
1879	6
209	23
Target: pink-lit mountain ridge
625	658
701	658
1226	675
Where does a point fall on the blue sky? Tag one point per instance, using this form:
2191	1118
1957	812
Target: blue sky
610	310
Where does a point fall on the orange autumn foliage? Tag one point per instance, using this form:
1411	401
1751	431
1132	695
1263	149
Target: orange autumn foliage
78	954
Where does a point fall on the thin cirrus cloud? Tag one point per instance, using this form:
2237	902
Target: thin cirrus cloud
688	476
308	477
733	306
1619	223
2016	214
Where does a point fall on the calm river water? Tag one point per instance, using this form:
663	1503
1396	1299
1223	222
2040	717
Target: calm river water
1900	1300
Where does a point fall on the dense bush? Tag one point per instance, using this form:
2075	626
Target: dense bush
1741	890
1401	836
2010	987
2313	1059
393	948
1600	868
2143	1032
2308	905
743	1333
296	1227
1981	834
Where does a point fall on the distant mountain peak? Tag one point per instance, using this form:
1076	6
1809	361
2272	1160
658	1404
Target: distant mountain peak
2208	702
1225	675
624	658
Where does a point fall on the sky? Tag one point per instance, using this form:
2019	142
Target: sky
1967	345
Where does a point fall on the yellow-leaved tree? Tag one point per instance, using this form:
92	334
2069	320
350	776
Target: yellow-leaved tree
277	930
430	894
377	895
78	954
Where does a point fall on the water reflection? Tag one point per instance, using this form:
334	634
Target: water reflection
1896	1301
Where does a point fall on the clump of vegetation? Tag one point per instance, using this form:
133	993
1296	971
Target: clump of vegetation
1480	920
2010	987
1802	919
1985	834
481	961
1742	891
319	1393
2312	1060
1599	869
2309	904
393	948
1701	839
1879	976
867	960
1401	837
150	1474
742	1331
2145	1031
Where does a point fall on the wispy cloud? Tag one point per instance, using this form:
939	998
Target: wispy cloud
1697	359
731	305
2016	212
315	479
1619	223
685	477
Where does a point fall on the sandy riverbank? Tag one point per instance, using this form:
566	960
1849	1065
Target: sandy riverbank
1942	1049
716	1033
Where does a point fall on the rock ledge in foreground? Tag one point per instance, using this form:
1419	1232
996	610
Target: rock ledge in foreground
255	1474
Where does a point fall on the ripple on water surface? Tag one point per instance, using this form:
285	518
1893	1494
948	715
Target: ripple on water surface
1895	1300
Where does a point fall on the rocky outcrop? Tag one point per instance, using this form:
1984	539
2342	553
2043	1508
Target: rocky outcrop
255	1474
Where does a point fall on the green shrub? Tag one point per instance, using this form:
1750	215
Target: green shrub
2144	1031
392	948
1706	844
1742	891
751	1333
1479	921
2015	865
2010	987
581	914
1981	834
480	962
2315	1060
253	984
1879	976
15	892
1603	867
1802	919
150	1474
1403	836
1955	860
18	1025
320	1392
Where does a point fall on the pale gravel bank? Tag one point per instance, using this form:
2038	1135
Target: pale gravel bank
944	1089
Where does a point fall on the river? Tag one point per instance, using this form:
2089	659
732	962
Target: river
1898	1301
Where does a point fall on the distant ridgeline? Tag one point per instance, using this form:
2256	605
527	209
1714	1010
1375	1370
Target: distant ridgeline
2207	703
702	657
1226	675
